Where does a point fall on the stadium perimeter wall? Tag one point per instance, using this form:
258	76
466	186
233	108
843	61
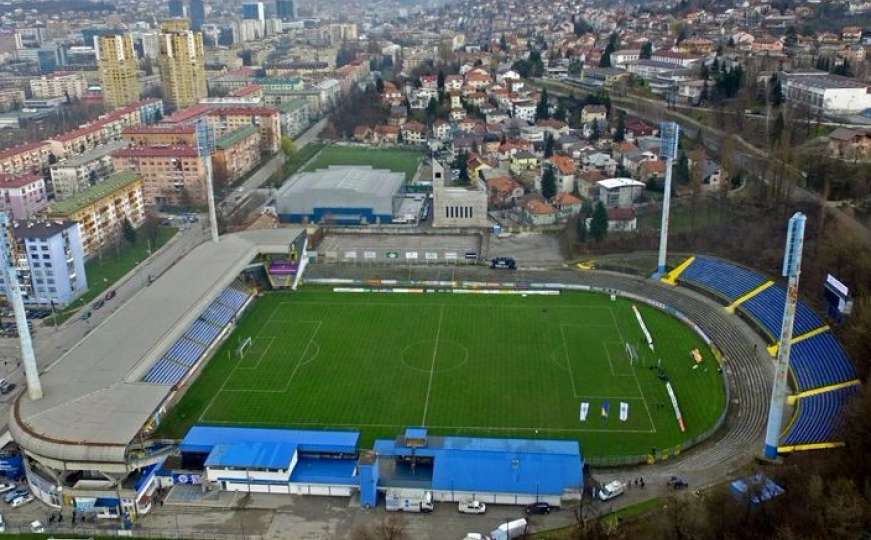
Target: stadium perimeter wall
430	286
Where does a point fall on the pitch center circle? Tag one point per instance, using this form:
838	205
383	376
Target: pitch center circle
426	355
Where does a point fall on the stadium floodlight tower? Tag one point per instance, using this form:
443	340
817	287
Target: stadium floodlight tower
792	271
669	133
205	148
13	295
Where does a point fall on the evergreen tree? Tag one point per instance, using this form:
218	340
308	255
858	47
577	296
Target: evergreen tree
775	91
548	183
581	228
128	231
646	51
432	109
542	109
379	85
548	145
681	170
560	113
620	132
440	81
599	223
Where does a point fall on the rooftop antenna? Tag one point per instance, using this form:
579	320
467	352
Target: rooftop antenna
13	295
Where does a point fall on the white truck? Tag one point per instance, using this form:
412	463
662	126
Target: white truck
510	530
409	500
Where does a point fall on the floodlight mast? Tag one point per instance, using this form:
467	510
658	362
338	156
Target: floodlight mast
13	295
791	270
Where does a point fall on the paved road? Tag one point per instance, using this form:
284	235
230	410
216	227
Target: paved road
235	200
50	343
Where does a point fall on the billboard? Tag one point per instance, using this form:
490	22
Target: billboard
837	297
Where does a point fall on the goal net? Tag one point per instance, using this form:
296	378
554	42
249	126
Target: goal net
243	347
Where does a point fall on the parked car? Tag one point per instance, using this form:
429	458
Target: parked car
2	524
21	501
7	388
475	536
676	482
99	303
85	315
6	487
472	507
12	495
37	527
540	507
612	489
503	263
110	294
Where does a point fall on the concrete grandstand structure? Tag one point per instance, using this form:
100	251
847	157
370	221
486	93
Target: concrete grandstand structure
87	437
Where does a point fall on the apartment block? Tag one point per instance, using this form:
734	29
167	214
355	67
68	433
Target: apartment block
22	195
171	175
182	64
79	173
236	153
72	85
117	65
101	210
49	262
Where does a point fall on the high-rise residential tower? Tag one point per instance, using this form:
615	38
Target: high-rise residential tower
182	64
117	64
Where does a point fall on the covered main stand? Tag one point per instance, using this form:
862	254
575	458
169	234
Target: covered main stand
500	471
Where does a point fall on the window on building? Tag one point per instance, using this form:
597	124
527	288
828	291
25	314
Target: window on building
52	290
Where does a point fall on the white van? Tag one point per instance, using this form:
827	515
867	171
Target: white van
612	489
510	530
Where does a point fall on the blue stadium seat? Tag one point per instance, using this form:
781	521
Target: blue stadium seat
721	278
232	298
217	315
185	352
767	308
820	361
818	416
165	372
202	332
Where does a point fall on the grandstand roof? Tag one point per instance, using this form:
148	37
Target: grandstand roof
95	402
204	439
497	465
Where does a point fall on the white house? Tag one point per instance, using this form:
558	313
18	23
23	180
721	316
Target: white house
619	192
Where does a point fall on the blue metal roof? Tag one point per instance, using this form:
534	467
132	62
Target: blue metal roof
498	465
252	455
506	472
415	433
325	471
201	439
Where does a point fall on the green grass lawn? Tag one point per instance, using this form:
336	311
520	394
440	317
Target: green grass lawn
457	364
404	161
103	272
293	163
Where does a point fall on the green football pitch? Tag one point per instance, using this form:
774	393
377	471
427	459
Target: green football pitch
465	364
396	160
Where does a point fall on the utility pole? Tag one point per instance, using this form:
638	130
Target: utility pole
669	133
791	270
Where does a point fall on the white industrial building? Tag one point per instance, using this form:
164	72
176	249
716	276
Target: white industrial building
828	94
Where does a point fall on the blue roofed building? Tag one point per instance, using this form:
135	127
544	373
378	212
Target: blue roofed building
301	462
500	471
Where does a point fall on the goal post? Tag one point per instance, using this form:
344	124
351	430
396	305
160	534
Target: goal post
243	347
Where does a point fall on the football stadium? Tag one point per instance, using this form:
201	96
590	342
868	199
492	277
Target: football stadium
264	373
